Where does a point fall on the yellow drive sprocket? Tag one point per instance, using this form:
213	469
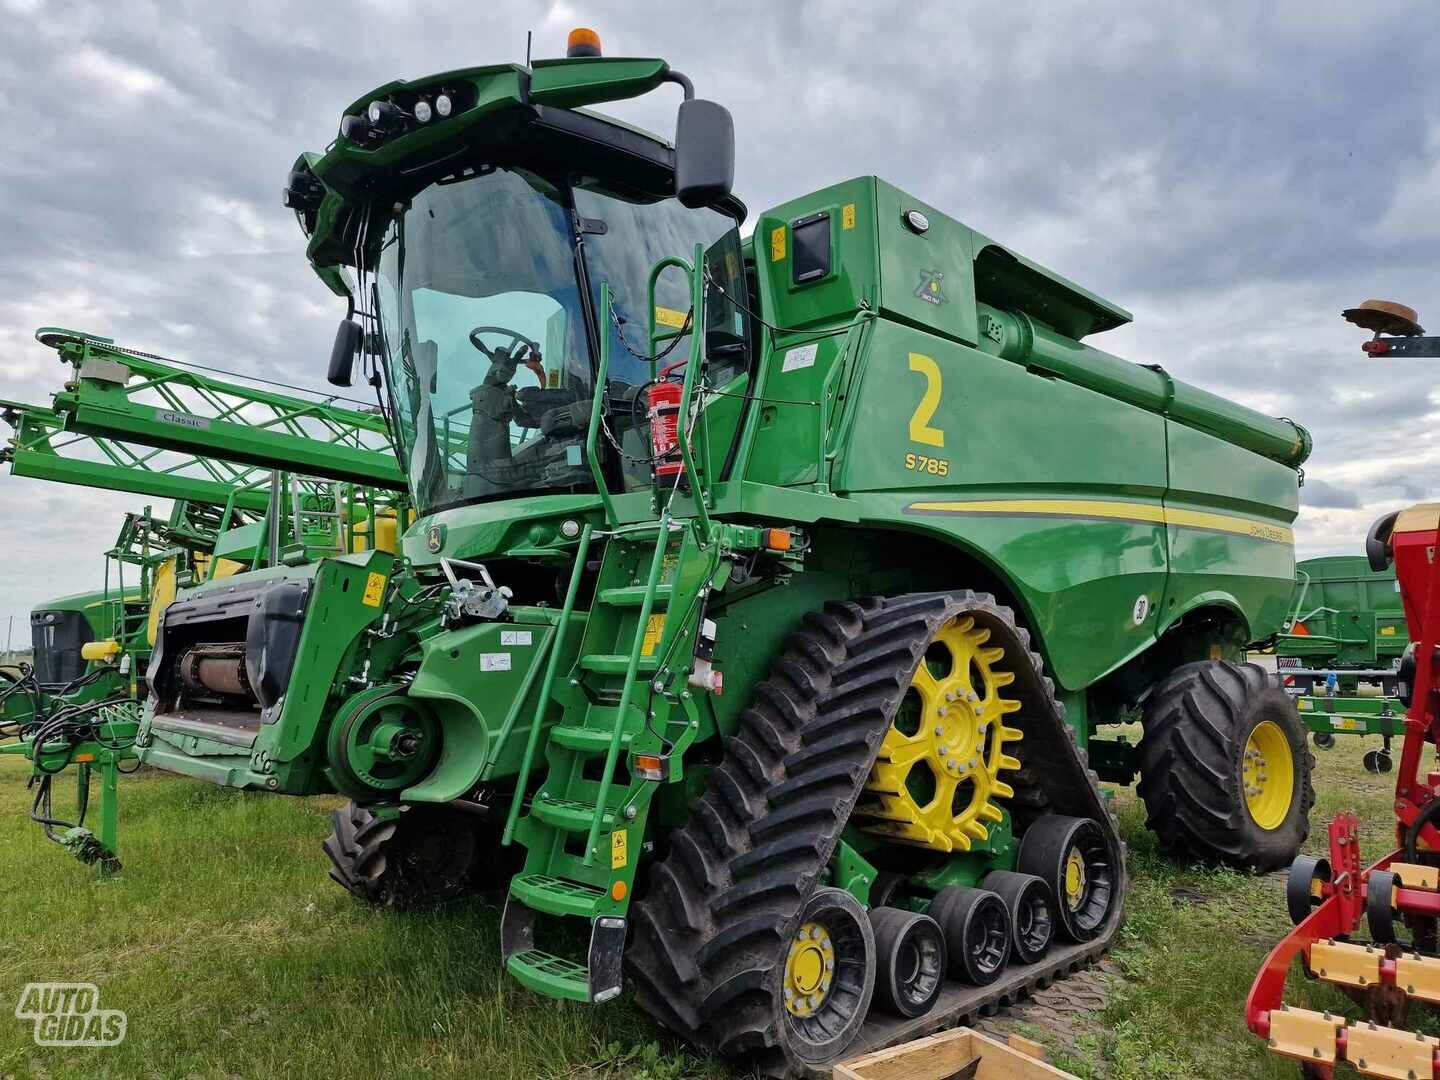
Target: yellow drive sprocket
937	780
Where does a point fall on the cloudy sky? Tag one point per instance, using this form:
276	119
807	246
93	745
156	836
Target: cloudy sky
1234	174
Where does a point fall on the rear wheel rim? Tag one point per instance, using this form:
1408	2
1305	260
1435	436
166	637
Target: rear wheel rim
1268	773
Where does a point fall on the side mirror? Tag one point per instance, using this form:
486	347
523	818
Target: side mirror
704	153
342	355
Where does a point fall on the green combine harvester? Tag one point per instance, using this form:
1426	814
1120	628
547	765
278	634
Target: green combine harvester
770	594
1343	650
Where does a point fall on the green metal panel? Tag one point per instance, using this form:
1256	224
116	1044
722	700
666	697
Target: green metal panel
854	270
925	278
1231	543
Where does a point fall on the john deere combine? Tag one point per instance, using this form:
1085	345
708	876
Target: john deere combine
768	593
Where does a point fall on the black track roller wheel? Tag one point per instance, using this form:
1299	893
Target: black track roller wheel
828	974
412	856
1302	886
1380	886
910	961
886	888
977	932
1069	854
1032	911
1224	769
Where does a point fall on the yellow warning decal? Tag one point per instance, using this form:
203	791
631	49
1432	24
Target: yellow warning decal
665	316
654	630
619	851
847	216
374	590
1387	631
777	243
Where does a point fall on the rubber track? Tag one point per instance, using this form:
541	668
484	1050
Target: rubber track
709	935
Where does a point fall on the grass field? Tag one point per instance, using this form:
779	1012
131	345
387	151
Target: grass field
234	956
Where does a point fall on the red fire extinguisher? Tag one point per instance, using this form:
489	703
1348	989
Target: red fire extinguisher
663	398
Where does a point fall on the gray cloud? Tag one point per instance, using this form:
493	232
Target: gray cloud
1318	493
1234	174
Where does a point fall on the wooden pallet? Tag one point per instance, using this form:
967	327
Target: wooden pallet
961	1054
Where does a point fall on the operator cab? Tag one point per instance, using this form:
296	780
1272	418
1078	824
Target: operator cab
478	262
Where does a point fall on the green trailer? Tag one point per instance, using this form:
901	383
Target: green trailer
1340	654
772	594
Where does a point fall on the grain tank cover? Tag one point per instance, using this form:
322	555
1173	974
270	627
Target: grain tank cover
1013	282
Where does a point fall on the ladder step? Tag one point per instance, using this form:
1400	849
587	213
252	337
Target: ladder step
569	815
548	974
586	740
634	596
556	896
616	663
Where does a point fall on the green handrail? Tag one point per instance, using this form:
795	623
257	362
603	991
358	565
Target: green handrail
557	644
655	335
687	393
602	380
632	667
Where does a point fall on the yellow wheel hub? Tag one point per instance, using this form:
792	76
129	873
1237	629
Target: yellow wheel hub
1074	879
937	778
809	969
1268	773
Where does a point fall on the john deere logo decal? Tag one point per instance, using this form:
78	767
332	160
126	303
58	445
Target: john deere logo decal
929	288
435	538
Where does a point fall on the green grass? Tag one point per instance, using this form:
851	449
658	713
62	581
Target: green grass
235	956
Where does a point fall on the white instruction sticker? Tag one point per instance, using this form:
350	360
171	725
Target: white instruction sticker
802	357
514	637
495	661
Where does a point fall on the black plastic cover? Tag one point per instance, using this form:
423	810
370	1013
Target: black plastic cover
348	336
810	237
272	638
56	638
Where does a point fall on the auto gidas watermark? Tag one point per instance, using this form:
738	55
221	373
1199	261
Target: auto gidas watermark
69	1014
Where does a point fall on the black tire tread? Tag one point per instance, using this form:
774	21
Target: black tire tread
1189	765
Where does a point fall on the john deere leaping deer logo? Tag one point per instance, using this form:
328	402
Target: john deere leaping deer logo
435	538
929	288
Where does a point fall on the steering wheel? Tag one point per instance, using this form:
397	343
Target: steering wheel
519	349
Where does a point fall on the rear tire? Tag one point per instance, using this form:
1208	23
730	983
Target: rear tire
1224	769
417	856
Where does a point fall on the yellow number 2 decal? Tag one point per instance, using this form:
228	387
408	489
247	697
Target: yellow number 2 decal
920	429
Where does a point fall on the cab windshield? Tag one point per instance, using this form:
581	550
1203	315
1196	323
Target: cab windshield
486	332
